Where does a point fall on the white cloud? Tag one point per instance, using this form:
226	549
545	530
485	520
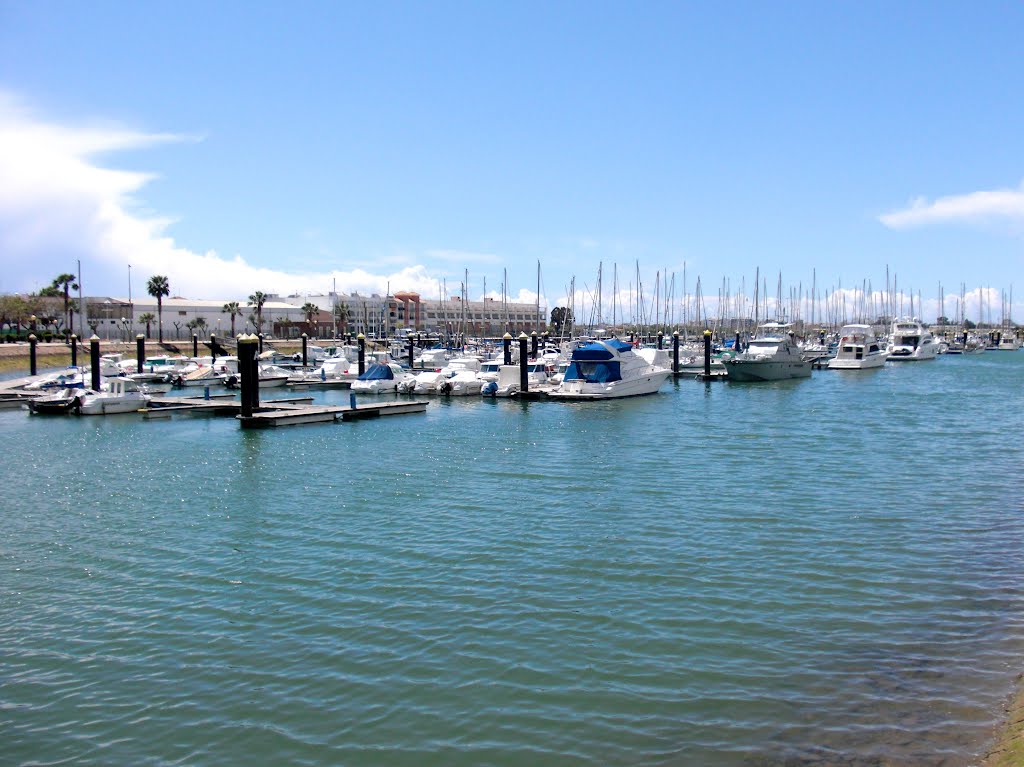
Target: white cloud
58	205
463	257
973	208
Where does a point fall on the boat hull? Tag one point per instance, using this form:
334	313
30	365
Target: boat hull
753	371
871	362
648	383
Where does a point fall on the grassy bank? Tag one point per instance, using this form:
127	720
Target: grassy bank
1009	748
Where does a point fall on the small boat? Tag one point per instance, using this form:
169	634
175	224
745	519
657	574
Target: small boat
379	378
858	349
205	375
427	382
772	355
911	341
122	395
70	377
59	402
608	369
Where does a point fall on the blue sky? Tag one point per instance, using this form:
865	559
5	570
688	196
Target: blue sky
252	146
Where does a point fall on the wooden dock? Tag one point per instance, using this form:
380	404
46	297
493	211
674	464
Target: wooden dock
285	411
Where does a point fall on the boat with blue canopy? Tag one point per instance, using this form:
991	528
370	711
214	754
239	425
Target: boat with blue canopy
608	369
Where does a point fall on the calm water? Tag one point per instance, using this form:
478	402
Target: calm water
821	572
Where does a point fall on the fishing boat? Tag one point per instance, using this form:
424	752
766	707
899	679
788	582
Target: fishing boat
121	395
608	369
771	355
911	341
858	349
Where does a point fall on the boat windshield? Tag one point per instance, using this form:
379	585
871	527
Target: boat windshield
593	372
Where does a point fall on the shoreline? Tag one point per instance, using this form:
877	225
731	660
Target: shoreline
1007	746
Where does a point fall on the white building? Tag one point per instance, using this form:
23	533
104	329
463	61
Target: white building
283	317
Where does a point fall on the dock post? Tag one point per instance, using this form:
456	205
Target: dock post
661	339
533	344
32	341
352	399
94	361
195	345
213	348
524	366
206	393
675	353
246	355
140	353
736	344
362	353
74	350
260	337
412	349
305	347
707	353
506	342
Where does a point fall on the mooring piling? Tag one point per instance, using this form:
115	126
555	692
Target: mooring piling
94	361
140	353
524	365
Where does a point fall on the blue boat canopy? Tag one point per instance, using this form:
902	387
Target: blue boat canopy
599	351
598	371
378	372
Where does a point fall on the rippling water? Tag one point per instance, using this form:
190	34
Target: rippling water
821	572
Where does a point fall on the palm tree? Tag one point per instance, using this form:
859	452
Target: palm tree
147	318
158	288
62	286
257	299
309	309
232	309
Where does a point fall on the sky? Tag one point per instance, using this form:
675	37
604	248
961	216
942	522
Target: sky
374	147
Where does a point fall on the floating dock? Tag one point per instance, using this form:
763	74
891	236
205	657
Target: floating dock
286	411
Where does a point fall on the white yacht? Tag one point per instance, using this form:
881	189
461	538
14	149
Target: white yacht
858	349
911	341
607	370
772	355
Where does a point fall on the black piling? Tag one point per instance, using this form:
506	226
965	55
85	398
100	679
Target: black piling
260	338
195	345
362	353
707	354
506	342
94	361
246	357
412	352
675	353
74	350
533	344
32	341
661	339
140	353
213	348
524	365
305	349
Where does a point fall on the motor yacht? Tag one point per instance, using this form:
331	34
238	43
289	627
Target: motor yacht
608	369
858	349
771	355
911	341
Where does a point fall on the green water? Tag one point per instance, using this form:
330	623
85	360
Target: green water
827	571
